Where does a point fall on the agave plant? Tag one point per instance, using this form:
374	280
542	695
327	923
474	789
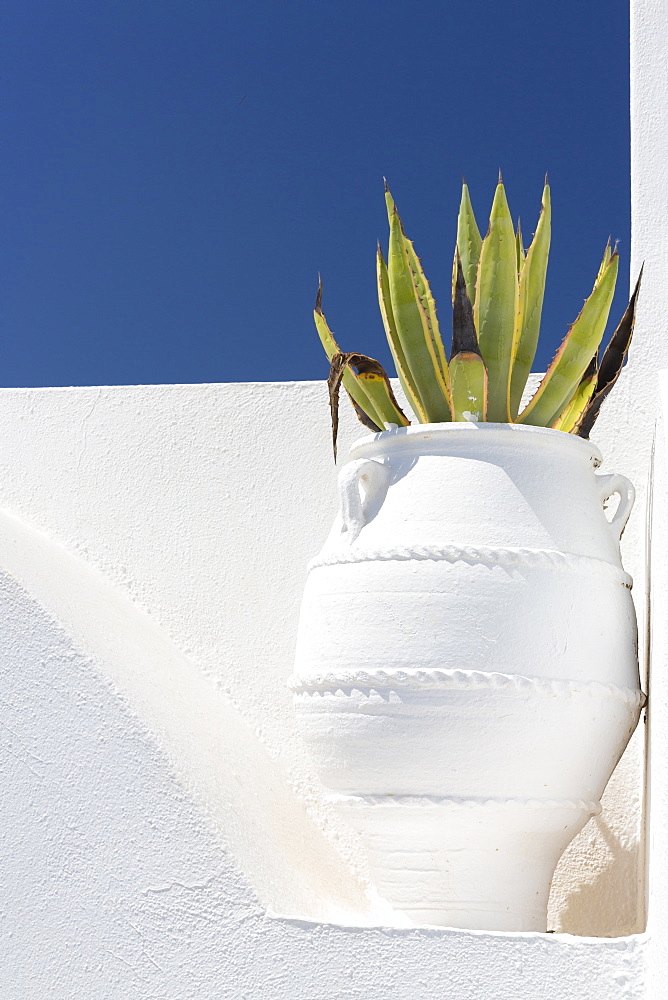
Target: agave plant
497	300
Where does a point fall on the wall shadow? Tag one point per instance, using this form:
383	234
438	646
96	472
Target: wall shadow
606	906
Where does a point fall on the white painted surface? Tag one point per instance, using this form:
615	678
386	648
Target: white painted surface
114	887
149	741
121	857
657	884
466	671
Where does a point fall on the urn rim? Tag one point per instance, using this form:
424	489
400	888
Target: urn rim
487	435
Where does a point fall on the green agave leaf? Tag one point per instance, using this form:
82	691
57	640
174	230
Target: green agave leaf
422	288
469	242
607	254
420	341
469	386
385	302
373	377
530	304
352	384
428	304
494	308
574	356
422	292
612	363
571	416
519	248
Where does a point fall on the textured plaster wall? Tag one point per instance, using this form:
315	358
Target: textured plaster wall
159	807
649	166
114	886
657	921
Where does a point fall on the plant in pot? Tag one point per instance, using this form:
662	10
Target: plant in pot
466	674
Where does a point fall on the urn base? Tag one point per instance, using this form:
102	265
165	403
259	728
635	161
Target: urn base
465	863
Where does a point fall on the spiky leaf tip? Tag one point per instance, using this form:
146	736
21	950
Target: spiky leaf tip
494	309
420	342
530	294
612	362
575	353
406	379
469	243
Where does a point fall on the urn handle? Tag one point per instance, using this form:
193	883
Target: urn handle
615	483
374	480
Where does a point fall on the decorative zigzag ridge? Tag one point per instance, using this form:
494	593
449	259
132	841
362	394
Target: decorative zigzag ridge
474	555
451	802
461	680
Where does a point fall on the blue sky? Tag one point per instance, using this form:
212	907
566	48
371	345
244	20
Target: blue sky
175	173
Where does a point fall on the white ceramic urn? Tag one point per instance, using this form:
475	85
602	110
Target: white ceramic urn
466	674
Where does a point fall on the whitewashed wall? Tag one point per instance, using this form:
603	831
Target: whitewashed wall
164	815
163	835
649	176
